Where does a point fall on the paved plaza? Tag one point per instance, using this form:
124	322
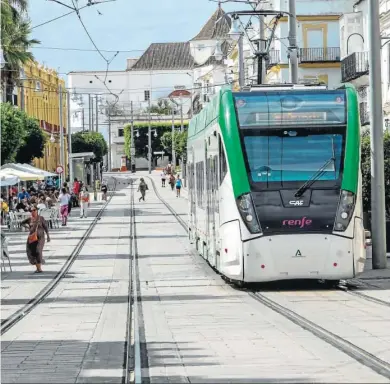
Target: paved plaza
193	326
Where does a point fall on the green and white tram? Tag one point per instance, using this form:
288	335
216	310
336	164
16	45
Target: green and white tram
275	184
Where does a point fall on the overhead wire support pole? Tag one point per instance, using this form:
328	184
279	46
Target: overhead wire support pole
97	114
132	146
70	160
62	149
292	38
149	140
109	141
173	138
378	208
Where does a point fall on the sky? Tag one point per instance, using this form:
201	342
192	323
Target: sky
124	25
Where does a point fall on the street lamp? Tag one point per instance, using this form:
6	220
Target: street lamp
235	32
218	54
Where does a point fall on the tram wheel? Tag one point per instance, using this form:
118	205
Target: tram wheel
332	283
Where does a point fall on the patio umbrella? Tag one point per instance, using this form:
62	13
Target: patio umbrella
24	176
8	180
27	168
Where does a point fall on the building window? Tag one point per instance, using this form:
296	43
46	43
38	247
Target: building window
120	132
147	95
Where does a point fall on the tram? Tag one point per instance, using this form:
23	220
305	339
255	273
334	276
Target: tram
275	186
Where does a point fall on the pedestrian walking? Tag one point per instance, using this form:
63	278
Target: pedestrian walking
163	178
178	186
85	202
36	238
172	181
143	187
64	199
104	190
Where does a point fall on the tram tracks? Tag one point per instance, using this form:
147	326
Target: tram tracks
359	354
21	313
135	356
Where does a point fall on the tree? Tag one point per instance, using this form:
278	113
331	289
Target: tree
15	41
366	170
180	144
162	108
90	142
33	143
12	131
141	142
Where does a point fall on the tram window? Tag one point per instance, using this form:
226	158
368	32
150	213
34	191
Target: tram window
222	162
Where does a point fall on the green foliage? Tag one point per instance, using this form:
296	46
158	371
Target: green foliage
162	108
12	131
15	40
366	170
90	142
180	143
33	144
141	142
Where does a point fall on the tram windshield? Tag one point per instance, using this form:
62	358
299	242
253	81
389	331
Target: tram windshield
288	136
284	159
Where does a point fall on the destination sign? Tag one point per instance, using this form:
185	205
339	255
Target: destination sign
291	117
271	109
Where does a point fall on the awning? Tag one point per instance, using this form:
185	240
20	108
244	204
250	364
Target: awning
7	180
28	168
25	176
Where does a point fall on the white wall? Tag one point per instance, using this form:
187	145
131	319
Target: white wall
334	75
332	36
316	7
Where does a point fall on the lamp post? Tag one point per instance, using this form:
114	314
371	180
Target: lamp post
237	35
353	34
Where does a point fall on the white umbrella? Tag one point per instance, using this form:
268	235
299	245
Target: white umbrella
7	180
25	176
27	168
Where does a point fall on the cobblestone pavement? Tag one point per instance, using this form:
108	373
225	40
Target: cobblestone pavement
193	327
198	328
77	335
21	285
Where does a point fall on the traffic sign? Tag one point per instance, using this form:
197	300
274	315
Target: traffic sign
59	169
132	151
158	153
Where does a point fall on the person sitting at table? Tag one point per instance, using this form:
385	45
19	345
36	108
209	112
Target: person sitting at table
22	206
23	194
41	203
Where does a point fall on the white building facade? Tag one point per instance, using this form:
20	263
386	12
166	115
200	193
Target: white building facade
154	76
355	62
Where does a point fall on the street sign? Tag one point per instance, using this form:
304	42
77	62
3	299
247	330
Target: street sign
179	87
59	169
158	153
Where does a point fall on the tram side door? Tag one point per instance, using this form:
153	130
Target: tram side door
193	203
212	232
208	201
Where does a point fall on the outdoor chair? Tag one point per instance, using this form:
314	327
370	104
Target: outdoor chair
5	254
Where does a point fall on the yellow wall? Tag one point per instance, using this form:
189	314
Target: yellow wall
44	106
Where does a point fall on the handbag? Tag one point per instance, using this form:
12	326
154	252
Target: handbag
33	238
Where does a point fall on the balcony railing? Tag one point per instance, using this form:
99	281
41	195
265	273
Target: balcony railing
273	58
364	113
315	55
354	66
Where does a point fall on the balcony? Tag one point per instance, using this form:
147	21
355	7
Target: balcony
354	66
320	55
273	58
364	113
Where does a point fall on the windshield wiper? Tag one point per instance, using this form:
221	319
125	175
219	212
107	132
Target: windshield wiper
302	189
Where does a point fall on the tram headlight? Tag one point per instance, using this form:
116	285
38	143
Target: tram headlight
345	211
248	213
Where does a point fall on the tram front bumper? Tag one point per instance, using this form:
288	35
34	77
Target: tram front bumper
308	256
